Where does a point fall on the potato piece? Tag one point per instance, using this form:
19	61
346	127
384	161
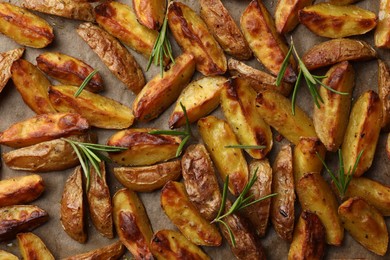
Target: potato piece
21	190
24	27
309	238
73	207
315	195
199	98
238	105
43	128
132	223
150	13
110	252
384	93
32	86
69	70
160	92
171	245
224	29
217	134
337	50
365	224
362	132
286	14
32	247
382	32
200	181
100	111
6	61
4	255
148	178
20	218
186	217
275	109
116	57
192	35
388	146
144	148
268	46
343	2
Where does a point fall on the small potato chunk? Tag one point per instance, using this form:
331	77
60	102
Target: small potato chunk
21	190
382	32
42	128
186	217
200	181
150	13
32	247
4	255
6	61
365	224
148	178
217	134
24	27
384	93
286	14
192	35
110	252
160	92
144	148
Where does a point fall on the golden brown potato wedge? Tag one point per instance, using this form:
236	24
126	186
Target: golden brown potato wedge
24	27
286	14
362	132
268	46
199	98
388	146
132	223
32	247
144	148
224	29
6	61
148	178
43	128
150	13
160	92
216	135
384	93
382	32
343	2
365	224
20	218
238	103
99	110
68	70
21	190
116	57
33	86
325	54
192	35
186	217
315	195
4	255
110	252
73	207
275	109
200	181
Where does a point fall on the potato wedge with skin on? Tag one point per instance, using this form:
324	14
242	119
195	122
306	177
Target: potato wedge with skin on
186	217
150	13
343	2
388	146
382	32
384	93
32	247
4	255
286	14
6	61
110	252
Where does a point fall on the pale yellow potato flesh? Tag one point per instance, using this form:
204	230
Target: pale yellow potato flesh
32	247
382	32
286	14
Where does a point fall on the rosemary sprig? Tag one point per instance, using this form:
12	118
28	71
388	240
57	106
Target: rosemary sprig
85	83
242	146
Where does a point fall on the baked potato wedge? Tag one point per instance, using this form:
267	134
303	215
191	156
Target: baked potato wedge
160	92
150	13
365	224
110	252
148	178
343	2
216	135
4	255
384	93
388	146
286	14
32	247
6	61
186	217
382	32
24	27
114	55
192	35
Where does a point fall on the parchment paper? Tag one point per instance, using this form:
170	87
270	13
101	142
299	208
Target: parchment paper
12	109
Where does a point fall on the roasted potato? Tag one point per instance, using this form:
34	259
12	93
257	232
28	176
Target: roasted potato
192	35
286	14
110	252
186	217
382	32
343	2
362	132
388	146
148	178
24	27
4	255
32	247
100	111
132	223
20	190
116	57
160	92
33	86
144	148
150	13
216	135
384	93
365	224
6	61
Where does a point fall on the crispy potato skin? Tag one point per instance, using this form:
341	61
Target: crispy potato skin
382	32
365	224
388	146
24	27
4	255
200	181
32	247
286	14
116	57
20	218
73	207
186	217
43	127
150	12
6	61
384	93
20	190
110	252
192	35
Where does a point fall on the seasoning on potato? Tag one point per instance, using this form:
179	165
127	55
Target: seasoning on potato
32	247
384	93
6	61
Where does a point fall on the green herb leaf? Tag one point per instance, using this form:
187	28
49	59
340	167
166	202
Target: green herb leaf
85	83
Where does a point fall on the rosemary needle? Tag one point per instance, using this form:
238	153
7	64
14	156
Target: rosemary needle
85	83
